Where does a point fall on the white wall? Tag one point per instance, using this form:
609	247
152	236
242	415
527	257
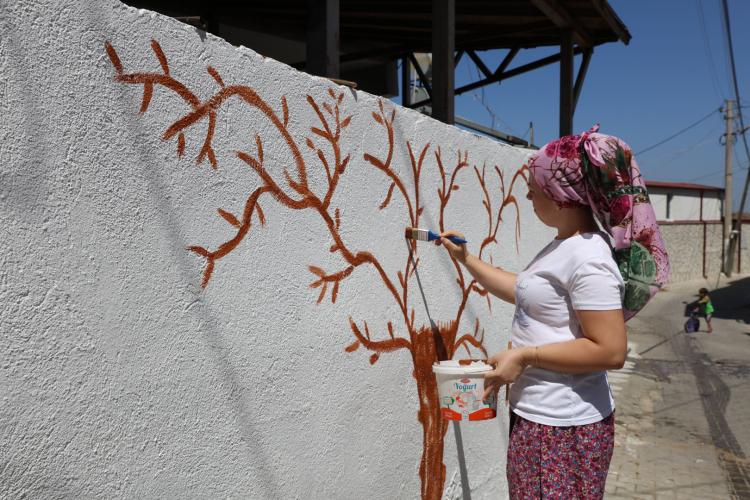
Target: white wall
659	202
686	204
712	205
122	376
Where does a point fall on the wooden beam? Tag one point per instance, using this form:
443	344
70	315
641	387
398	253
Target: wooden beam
506	61
421	74
614	22
405	82
510	74
505	32
581	77
566	83
323	38
443	53
394	51
458	57
562	19
480	64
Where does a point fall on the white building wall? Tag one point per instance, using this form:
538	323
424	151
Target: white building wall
712	205
659	202
685	204
122	376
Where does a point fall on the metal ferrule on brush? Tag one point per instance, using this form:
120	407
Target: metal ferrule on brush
414	233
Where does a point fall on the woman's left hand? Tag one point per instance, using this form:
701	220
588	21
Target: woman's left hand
507	367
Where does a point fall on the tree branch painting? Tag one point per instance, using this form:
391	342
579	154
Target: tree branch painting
426	343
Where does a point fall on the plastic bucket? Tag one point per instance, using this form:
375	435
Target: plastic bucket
460	388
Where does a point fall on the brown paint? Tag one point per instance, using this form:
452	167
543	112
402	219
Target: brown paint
215	74
160	56
426	344
180	145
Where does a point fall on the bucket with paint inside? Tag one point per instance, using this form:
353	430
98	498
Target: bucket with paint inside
460	388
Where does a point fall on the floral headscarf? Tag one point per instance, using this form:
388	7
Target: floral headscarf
599	171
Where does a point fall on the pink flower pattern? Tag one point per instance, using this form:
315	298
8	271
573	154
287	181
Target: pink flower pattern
598	171
559	463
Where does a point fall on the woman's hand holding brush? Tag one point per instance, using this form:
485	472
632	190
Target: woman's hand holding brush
458	252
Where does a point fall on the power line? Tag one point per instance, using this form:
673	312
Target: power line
727	39
716	172
737	159
678	133
680	151
744	137
714	77
486	106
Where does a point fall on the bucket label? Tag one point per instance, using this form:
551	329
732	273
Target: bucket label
461	399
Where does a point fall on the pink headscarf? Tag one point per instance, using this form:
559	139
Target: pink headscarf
599	171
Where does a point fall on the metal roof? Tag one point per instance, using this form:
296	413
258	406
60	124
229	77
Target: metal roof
682	185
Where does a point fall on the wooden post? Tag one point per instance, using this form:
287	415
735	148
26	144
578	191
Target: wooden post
566	83
581	77
323	38
405	81
531	128
443	53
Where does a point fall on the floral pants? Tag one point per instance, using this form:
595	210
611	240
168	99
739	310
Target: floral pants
559	463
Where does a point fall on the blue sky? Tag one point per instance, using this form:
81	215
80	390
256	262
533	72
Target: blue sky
643	92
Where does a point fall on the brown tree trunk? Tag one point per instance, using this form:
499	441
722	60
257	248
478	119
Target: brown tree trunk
432	469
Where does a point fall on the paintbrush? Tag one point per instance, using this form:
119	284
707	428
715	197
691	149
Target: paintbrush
414	233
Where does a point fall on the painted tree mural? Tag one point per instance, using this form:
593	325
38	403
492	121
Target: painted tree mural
425	343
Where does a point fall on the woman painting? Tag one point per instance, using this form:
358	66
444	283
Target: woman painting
572	302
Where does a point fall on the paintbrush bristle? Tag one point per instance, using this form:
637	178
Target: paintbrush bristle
414	233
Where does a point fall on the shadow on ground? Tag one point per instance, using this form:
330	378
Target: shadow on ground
730	301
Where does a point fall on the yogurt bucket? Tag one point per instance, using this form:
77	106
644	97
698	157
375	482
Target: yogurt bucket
460	388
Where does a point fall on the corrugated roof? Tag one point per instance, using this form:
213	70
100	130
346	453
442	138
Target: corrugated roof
682	185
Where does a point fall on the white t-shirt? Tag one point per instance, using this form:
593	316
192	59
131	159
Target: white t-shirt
575	273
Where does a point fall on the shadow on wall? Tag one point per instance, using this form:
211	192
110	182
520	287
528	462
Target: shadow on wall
731	301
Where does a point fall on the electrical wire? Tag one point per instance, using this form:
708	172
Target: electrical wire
742	124
714	76
737	159
678	133
486	106
715	172
726	37
680	151
526	133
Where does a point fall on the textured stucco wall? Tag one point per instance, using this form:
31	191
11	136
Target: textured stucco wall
121	376
684	244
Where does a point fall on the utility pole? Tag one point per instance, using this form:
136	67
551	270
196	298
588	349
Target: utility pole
728	191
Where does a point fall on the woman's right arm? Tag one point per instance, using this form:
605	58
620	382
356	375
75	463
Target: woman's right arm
499	283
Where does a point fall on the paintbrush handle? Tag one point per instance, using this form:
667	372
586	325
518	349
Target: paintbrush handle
507	386
457	241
